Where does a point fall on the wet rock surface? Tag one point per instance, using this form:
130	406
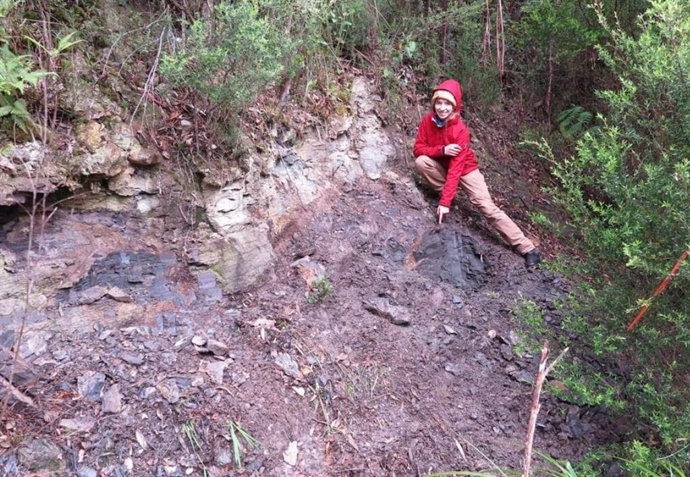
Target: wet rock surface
450	256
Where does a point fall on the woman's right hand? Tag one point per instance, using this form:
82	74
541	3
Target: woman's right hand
441	211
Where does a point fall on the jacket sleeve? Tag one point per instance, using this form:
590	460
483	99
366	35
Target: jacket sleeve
457	165
455	170
422	146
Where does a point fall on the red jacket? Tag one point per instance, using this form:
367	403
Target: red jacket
431	138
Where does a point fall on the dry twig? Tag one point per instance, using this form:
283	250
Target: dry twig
534	410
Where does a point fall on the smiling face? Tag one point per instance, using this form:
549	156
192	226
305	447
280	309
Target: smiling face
443	108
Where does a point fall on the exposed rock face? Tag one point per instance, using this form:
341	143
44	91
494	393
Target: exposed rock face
370	141
25	169
228	249
353	145
109	151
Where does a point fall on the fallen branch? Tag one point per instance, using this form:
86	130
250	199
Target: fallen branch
15	393
534	410
659	290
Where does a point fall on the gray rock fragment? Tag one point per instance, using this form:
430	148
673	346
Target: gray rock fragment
395	314
507	352
169	390
482	359
86	472
288	365
90	385
112	400
453	369
215	370
133	359
91	295
217	348
78	424
42	456
118	294
199	340
34	343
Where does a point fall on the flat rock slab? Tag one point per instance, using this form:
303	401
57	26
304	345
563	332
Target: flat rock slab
450	256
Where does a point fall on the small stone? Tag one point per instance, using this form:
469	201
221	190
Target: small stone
112	400
522	376
288	365
78	424
131	358
215	370
453	369
395	314
482	359
239	378
170	470
152	345
169	391
223	456
199	340
181	343
506	352
39	455
290	455
91	295
217	348
514	338
90	384
118	294
34	343
147	392
141	439
86	472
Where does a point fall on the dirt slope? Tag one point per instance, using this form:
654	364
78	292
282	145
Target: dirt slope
400	371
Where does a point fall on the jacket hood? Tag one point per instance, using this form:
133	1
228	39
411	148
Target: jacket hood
453	87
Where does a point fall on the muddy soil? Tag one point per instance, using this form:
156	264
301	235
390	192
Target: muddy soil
406	365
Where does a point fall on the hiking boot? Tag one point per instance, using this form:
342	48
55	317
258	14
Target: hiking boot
532	258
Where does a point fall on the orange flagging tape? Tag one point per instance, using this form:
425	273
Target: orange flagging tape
659	289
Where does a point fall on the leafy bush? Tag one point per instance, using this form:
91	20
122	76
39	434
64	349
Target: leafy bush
321	288
229	57
15	75
627	189
573	121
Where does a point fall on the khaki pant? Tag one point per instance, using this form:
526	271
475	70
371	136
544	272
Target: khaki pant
477	191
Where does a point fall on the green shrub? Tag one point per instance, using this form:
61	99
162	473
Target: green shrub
321	288
15	75
627	189
229	57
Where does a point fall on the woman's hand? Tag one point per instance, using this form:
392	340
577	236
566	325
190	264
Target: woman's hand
451	150
441	211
